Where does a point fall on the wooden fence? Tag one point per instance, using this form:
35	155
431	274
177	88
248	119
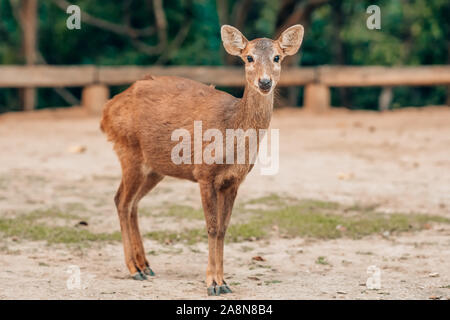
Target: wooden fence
317	80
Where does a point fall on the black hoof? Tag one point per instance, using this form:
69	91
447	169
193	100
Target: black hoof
139	276
213	291
148	271
225	289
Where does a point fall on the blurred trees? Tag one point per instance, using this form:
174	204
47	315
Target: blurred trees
187	32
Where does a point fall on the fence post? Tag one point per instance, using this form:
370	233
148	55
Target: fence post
317	97
385	98
94	97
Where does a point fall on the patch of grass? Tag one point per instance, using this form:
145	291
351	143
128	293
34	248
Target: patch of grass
311	220
270	200
305	218
322	260
246	231
27	227
310	204
269	282
22	228
292	218
361	208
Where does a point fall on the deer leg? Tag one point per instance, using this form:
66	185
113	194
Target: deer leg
129	190
124	203
225	201
149	182
209	202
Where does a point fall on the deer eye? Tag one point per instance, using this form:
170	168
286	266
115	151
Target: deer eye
250	59
276	59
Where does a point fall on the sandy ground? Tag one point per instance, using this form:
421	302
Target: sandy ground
399	161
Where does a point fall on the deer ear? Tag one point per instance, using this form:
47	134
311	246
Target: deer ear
291	39
233	40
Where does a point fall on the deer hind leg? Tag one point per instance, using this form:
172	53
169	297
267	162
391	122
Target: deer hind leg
134	179
150	180
123	199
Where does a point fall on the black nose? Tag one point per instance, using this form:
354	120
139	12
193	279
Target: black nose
265	84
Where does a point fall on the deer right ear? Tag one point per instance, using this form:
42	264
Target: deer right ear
233	40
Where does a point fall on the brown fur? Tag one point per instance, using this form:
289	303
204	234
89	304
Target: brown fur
140	121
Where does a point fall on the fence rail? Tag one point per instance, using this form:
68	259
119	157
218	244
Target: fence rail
317	80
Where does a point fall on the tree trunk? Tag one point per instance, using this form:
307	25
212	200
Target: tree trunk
338	47
28	22
448	61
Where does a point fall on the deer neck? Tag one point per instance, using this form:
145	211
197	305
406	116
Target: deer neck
255	109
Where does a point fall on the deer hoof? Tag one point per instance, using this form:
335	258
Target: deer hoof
148	271
213	291
225	289
139	276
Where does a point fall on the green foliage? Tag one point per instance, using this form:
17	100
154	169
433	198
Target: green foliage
414	32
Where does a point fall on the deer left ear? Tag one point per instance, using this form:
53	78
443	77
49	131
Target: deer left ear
291	39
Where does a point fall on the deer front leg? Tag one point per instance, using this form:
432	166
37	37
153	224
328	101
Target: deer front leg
225	207
209	202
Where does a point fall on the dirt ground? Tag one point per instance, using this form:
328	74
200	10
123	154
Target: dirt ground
398	161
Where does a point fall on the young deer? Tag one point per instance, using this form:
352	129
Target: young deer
140	121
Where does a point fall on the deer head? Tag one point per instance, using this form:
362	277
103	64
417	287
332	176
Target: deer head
262	56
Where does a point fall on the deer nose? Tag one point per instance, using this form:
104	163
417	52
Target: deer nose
265	84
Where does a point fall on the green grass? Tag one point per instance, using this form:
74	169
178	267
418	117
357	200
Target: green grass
269	200
322	260
299	220
304	218
269	282
25	230
27	226
292	218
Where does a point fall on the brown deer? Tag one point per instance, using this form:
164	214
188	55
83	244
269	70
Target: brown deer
140	121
